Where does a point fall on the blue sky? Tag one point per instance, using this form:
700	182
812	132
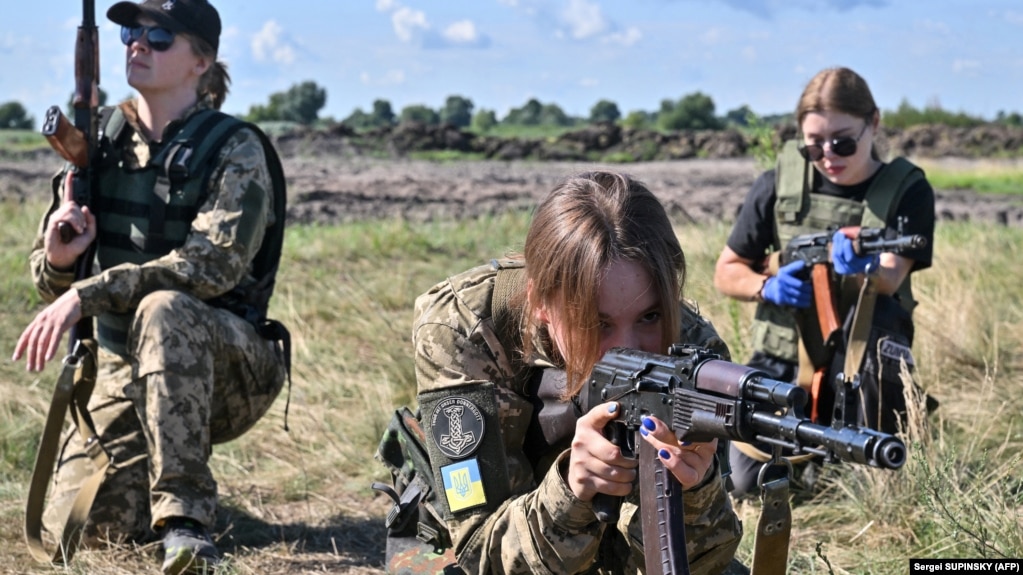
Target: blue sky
966	55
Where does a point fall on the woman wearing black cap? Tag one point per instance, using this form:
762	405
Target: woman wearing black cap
187	220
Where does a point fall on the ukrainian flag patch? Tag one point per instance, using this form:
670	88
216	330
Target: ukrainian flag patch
463	485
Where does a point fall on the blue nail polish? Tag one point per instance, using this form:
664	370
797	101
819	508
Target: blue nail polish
643	431
649	423
686	443
612	408
664	454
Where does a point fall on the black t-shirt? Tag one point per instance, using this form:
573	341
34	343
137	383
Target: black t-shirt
752	236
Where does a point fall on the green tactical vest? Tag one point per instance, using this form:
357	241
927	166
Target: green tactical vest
146	213
797	211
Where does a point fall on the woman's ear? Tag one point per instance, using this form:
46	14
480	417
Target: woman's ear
201	66
541	315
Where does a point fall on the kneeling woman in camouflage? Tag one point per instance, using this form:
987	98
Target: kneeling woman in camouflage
509	493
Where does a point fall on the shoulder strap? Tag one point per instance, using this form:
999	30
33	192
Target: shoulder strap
793	182
886	191
510	280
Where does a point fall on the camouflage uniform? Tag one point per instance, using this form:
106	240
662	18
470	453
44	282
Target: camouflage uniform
191	374
544	527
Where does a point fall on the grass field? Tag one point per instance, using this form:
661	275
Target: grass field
299	501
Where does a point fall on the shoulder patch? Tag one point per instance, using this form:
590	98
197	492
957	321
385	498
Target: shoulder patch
457	426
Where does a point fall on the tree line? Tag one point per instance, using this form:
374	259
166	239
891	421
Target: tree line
302	103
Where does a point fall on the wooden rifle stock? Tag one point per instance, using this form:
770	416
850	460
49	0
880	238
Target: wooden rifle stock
70	142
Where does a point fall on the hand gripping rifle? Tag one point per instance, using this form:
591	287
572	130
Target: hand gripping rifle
815	250
703	397
820	326
78	144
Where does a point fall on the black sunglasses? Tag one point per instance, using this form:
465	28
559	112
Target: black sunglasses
844	147
159	38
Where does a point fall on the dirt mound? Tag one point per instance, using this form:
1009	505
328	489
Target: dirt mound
341	188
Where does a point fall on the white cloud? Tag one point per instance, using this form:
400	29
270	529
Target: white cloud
712	35
269	45
584	19
929	25
964	65
1014	17
462	32
386	5
407	21
626	38
390	78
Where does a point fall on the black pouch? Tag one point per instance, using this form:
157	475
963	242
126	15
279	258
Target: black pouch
881	401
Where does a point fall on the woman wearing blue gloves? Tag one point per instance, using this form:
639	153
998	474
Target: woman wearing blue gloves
831	177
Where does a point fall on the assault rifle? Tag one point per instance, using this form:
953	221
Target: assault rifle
815	250
703	397
78	144
819	327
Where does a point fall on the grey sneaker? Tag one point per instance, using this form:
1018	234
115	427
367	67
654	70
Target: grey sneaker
188	548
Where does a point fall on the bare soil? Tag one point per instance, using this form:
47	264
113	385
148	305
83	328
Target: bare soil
331	190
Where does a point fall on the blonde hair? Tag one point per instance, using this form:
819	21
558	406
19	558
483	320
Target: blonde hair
584	225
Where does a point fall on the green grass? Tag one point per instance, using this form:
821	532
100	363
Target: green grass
985	178
300	501
21	140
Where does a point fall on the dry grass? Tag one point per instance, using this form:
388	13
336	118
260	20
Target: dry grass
299	501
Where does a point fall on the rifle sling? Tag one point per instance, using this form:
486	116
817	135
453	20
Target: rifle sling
863	318
74	387
663	516
771	542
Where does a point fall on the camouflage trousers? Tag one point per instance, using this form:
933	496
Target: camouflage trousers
196	376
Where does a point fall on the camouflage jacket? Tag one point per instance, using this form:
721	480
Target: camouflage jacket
225	235
543	527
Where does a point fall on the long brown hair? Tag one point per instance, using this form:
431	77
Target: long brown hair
584	225
838	90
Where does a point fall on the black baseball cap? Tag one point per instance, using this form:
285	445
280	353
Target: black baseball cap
196	17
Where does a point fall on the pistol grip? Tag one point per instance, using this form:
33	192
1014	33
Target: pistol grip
607	507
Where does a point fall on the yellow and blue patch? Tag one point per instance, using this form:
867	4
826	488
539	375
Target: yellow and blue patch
463	485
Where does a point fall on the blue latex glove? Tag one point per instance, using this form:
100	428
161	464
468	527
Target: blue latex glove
844	258
787	289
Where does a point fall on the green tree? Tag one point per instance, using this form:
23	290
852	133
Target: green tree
1011	119
419	113
380	117
484	120
457	111
638	120
527	115
301	103
739	116
383	115
693	112
14	116
604	111
906	115
552	115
